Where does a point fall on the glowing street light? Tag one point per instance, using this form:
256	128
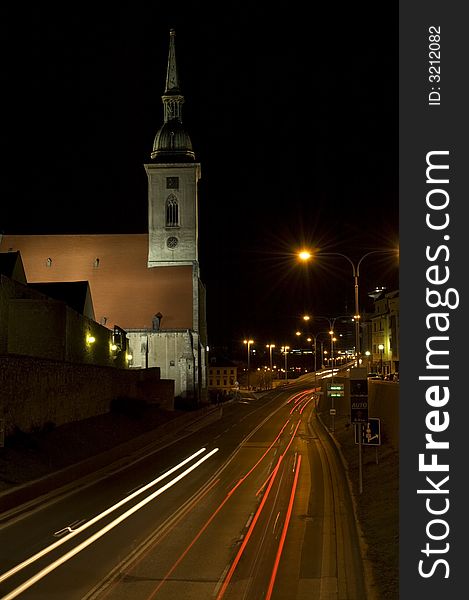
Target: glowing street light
381	351
270	346
368	354
305	255
249	343
285	350
331	332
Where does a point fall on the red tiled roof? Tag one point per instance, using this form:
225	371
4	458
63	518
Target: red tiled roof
123	289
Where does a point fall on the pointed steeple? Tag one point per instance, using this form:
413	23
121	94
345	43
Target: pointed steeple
172	80
172	143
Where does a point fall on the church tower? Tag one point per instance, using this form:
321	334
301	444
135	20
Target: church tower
173	176
172	182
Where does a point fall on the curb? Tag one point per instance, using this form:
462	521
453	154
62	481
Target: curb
370	585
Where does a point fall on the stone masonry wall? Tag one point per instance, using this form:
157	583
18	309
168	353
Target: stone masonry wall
39	391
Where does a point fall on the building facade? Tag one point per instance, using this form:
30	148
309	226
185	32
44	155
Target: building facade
148	284
384	324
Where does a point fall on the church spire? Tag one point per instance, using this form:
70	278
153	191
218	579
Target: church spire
172	80
172	143
172	97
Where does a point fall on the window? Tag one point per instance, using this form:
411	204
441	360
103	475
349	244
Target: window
225	382
172	211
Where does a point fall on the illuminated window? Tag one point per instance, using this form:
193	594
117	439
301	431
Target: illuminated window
172	211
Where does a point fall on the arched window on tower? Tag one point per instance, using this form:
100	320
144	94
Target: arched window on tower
172	211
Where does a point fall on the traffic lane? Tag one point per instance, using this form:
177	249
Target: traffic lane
35	530
254	571
177	500
73	579
256	562
189	567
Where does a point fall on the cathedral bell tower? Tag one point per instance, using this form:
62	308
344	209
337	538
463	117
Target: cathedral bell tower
173	177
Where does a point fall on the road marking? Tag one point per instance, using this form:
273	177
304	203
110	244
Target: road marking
69	528
284	533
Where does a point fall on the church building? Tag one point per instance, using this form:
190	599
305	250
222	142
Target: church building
147	284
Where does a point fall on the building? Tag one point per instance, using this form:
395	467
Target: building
148	284
53	321
222	378
381	335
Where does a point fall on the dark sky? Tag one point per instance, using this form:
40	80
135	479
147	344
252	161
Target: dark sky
292	116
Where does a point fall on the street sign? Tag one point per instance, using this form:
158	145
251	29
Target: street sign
370	432
359	400
332	411
335	390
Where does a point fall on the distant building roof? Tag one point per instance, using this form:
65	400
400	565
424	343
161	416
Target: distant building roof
75	294
220	361
11	266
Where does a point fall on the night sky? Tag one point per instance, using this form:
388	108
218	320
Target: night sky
293	118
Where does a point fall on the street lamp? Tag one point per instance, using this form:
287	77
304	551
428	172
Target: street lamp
381	350
270	346
304	255
314	336
285	350
249	344
368	354
333	339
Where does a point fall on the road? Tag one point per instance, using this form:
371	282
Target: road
252	505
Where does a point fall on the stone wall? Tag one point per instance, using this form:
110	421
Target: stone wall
37	391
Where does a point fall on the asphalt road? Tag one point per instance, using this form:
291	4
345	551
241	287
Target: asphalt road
258	510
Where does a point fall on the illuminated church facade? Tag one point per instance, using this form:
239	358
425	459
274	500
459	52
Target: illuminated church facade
147	284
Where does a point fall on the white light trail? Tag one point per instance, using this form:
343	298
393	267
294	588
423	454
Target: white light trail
27	584
95	519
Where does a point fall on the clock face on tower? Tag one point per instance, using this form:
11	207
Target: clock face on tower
172	242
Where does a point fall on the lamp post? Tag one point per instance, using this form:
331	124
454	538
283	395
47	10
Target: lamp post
249	344
270	346
305	256
368	354
381	351
331	322
285	350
